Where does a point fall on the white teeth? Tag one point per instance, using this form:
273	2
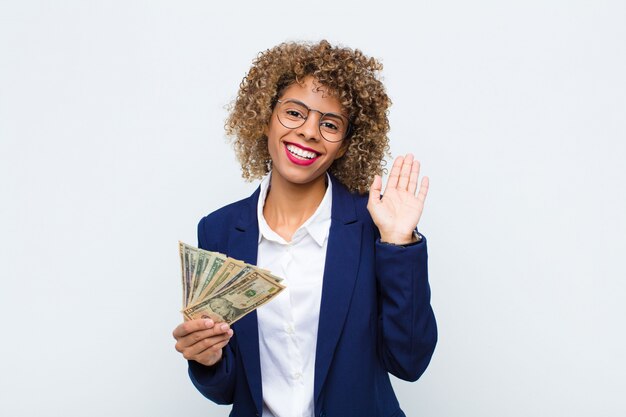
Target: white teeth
301	152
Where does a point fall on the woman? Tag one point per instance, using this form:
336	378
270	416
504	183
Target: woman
357	303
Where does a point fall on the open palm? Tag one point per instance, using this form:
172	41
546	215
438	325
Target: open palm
398	212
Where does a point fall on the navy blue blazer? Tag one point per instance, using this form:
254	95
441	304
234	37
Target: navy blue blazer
375	315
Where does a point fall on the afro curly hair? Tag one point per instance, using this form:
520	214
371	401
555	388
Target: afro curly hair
348	74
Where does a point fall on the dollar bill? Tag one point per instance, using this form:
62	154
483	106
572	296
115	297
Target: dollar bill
186	254
189	257
203	259
247	269
274	277
214	263
269	274
192	253
245	295
229	268
183	271
222	288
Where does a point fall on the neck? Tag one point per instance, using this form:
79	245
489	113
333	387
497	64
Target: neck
289	205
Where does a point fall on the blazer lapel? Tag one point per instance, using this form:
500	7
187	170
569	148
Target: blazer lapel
340	271
243	244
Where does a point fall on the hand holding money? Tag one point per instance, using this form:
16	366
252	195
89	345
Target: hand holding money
217	291
202	340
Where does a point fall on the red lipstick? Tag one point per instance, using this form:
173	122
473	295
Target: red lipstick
297	160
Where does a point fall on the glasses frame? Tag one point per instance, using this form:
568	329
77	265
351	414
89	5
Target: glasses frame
322	114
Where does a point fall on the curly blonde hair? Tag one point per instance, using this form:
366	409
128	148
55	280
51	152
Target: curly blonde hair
349	75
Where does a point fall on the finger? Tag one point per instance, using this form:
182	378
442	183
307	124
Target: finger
405	172
213	349
421	196
415	173
191	352
208	342
190	326
197	336
212	355
375	190
392	182
198	341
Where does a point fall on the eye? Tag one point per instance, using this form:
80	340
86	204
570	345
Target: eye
294	113
332	123
328	125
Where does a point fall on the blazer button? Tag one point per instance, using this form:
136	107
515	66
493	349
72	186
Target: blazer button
322	414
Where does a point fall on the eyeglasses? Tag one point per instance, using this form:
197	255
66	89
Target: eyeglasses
293	113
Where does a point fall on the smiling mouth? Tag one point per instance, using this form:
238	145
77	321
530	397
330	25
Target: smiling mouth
301	153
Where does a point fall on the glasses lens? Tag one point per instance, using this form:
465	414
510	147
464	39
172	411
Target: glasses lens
333	127
292	114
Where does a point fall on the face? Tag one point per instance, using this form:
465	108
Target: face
300	156
220	306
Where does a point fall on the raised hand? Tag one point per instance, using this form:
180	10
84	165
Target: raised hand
397	213
202	340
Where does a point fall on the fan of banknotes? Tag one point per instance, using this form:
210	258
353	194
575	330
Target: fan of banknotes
222	288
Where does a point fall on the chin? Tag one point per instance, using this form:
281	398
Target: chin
300	178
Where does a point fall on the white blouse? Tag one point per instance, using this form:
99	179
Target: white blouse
288	324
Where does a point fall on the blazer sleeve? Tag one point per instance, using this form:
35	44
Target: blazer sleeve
216	382
407	329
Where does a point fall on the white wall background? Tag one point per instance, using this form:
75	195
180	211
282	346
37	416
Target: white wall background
112	148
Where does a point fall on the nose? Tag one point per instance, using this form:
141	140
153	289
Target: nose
310	129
